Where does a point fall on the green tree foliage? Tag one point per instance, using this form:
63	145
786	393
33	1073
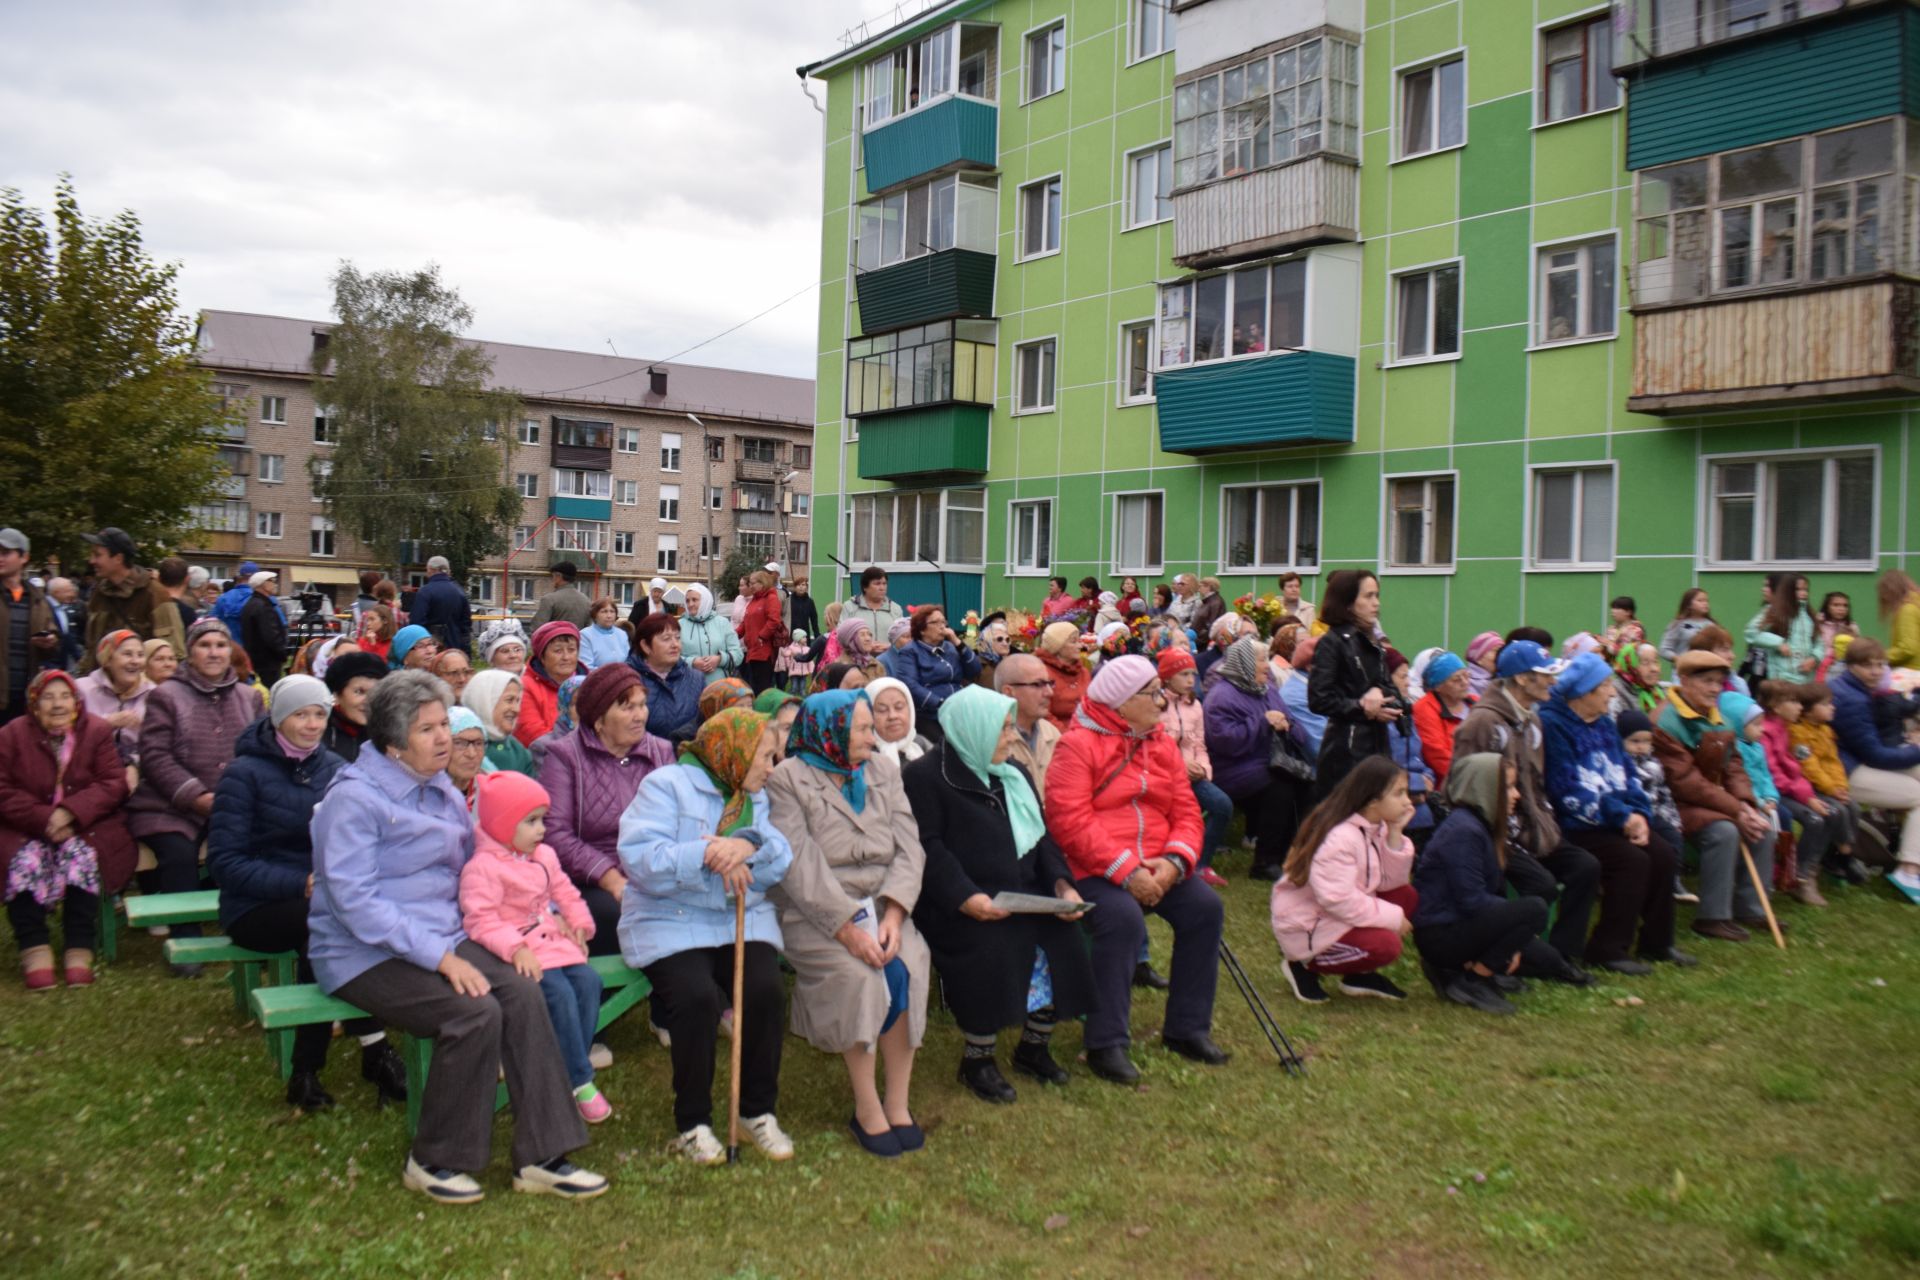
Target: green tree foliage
412	405
104	419
740	562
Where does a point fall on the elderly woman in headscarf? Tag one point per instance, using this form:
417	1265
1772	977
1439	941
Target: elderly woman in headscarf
554	658
1059	649
1483	651
1109	610
852	641
1244	711
983	835
708	641
844	910
495	696
160	660
895	722
781	709
350	679
116	691
899	636
413	649
63	841
469	752
1220	637
841	675
723	693
503	645
699	835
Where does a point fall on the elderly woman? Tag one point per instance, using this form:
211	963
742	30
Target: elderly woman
62	838
1120	808
781	709
413	649
350	679
389	841
672	686
708	641
186	743
852	642
1442	708
555	658
116	690
1221	636
603	643
160	661
721	694
495	696
993	644
260	851
503	646
1244	712
1059	651
899	636
593	774
936	665
842	675
844	905
451	666
1883	768
983	834
895	724
700	835
468	758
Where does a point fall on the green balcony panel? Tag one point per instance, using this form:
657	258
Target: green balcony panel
957	133
1797	80
935	286
945	439
581	508
1302	398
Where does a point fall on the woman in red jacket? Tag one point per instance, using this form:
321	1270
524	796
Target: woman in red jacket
1121	810
761	631
553	659
1437	716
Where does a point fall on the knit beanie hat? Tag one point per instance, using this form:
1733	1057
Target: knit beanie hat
548	633
290	693
1483	644
1173	661
349	666
504	799
1631	722
208	625
605	687
1119	679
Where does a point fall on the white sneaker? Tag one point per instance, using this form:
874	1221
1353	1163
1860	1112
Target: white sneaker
660	1033
599	1057
159	931
448	1186
699	1145
1906	880
559	1177
769	1137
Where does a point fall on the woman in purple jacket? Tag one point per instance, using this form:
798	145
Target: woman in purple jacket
1243	713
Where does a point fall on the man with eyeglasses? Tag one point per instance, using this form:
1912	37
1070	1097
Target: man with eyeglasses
1023	677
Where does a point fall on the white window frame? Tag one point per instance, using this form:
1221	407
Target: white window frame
1164	165
528	432
1537	306
482	587
626	493
326	424
522	537
945	556
526	588
1126	369
575	534
273	410
1535	471
1190	284
277	464
1137	26
670	452
580	482
1434	63
625	591
1540	34
1027	95
669	507
1319	527
1387	567
716	497
1020	218
1707	511
1394	279
1014	568
1117	568
1020	350
318	469
799	504
270	525
626	439
664	545
623	543
321	533
527	484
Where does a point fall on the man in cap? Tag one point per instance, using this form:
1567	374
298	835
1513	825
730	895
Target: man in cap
126	598
566	602
236	597
263	632
443	608
29	639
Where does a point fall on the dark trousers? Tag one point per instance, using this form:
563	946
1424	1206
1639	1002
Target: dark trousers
282	926
1118	926
759	675
178	871
81	919
1492	938
472	1040
690	988
605	909
1570	876
1636	893
1273	815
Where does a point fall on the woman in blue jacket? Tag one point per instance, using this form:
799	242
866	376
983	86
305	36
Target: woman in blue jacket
261	854
673	686
1883	769
934	666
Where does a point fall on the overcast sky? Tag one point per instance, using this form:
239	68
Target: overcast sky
645	171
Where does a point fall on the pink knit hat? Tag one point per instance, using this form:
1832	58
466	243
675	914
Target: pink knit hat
1119	679
504	799
1483	644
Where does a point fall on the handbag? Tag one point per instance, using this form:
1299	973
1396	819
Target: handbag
1287	756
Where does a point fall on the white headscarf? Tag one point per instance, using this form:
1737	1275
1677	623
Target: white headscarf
705	610
483	695
908	748
1417	673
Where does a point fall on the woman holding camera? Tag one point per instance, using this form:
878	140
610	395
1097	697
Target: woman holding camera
1349	684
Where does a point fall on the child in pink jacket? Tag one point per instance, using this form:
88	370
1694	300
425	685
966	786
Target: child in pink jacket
517	903
1803	805
1344	901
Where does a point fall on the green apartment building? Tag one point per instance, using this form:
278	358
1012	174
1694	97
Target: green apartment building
1522	303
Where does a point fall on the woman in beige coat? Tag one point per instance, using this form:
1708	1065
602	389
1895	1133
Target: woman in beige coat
845	910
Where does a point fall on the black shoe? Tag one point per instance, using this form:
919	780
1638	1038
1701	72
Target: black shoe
1673	956
885	1144
1632	968
1849	869
1370	984
186	970
1145	976
1305	983
1200	1048
1508	984
1113	1064
383	1068
305	1094
1036	1060
1436	977
982	1075
1268	871
1570	974
1474	993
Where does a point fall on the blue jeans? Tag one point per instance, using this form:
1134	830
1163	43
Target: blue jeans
572	993
1216	807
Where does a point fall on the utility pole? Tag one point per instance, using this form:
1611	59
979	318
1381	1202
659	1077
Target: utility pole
706	496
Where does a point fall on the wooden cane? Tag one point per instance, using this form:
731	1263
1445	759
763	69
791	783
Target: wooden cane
739	1024
1753	873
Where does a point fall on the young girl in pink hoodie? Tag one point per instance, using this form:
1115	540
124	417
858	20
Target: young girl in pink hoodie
517	903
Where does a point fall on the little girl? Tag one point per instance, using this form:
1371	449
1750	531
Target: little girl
1782	699
1836	618
795	662
1344	901
517	903
376	630
1817	751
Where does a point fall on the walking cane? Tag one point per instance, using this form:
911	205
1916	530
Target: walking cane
1276	1038
1779	939
739	1024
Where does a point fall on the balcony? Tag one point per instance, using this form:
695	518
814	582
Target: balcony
758	470
1858	338
1646	33
1311	201
580	560
749	521
951	133
582	445
935	286
580	508
938	440
1304	397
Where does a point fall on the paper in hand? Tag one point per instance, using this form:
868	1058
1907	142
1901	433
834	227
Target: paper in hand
1034	904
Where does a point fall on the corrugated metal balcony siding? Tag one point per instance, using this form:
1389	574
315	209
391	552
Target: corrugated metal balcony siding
957	133
1309	202
1306	397
945	438
935	286
576	457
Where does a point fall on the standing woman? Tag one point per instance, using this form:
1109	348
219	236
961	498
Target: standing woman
844	905
936	665
186	744
761	630
1059	649
555	660
1900	610
350	679
1348	684
1695	613
1786	631
494	696
1244	711
708	641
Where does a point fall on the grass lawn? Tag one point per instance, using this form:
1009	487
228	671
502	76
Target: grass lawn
1754	1116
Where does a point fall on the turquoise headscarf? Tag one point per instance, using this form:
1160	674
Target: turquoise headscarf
403	641
972	720
819	736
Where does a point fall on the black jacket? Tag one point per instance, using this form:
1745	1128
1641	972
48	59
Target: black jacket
802	616
263	634
1346	664
259	849
442	608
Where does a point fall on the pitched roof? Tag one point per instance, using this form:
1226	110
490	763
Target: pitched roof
243	342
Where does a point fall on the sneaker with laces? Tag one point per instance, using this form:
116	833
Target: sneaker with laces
593	1104
1683	894
447	1186
1305	984
599	1057
1370	984
768	1136
698	1145
559	1177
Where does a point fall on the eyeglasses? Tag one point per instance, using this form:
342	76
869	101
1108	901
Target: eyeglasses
460	744
1029	684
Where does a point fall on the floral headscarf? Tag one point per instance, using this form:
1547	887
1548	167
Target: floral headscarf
819	736
564	701
723	749
722	694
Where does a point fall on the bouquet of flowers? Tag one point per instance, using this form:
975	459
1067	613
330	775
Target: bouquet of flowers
1265	612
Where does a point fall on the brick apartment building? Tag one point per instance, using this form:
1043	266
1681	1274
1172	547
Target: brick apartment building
630	469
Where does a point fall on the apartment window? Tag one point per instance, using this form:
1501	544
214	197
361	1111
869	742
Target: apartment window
755	497
267	524
273	410
1433	107
1152	27
628	440
579	535
221	517
802	457
1274	109
1136	362
717	449
957	211
1150	185
1030	544
529	431
526	484
1272	527
1796	510
669	451
581	433
667	553
1576	73
480	588
627	492
320	470
489	432
670	502
1250	312
1047	61
1040	218
1137	526
947	526
568	483
796	553
954	59
522	537
326	424
1575	291
525	589
759	545
320	538
1675	26
1034	362
1573	516
273	468
716	497
1427	323
927	364
1420	522
757	449
623	544
800	504
709	547
626	590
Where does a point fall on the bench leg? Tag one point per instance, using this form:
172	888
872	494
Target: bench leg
109	947
619	1002
419	1056
243	977
282	972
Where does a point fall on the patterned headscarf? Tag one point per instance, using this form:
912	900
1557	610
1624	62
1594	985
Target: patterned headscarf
972	720
819	736
1240	667
564	702
769	703
722	694
723	749
111	641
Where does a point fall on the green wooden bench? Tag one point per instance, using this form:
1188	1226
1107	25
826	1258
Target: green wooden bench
251	970
144	911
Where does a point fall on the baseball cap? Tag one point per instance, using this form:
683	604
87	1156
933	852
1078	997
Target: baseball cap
247	569
1525	656
14	540
116	541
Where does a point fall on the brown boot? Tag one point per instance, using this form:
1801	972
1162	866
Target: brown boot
1724	930
1808	892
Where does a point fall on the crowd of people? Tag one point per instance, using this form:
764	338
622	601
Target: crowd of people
445	827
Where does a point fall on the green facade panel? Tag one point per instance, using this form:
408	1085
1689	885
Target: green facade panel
936	286
948	438
955	133
1302	398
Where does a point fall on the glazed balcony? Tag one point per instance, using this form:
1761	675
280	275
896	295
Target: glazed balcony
947	439
1296	398
581	444
927	105
952	133
1264	211
1648	32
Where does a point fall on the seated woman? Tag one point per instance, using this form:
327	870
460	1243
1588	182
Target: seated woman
781	709
389	840
1473	938
1243	714
116	691
161	661
1883	769
896	726
413	649
862	966
728	691
1120	808
899	636
494	696
260	851
503	646
842	676
936	665
699	835
1059	649
350	679
672	686
62	838
469	751
1345	901
452	666
555	660
981	828
1441	708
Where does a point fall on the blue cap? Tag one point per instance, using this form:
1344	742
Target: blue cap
1524	656
248	568
1583	675
1440	667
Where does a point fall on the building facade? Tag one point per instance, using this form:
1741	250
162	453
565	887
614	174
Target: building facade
629	469
1524	304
